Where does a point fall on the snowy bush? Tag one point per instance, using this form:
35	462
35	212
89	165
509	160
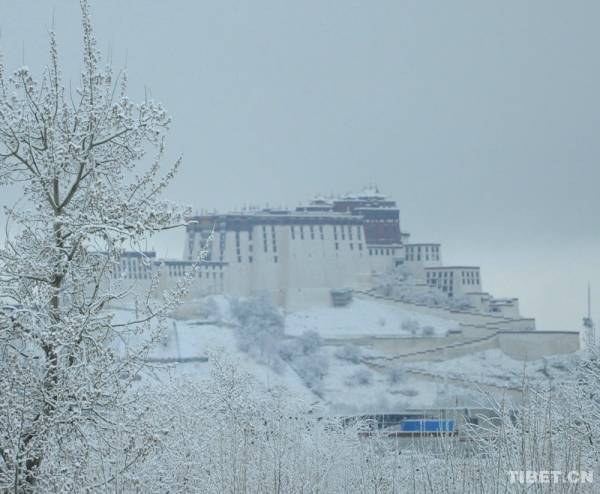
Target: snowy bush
349	352
260	328
311	368
428	331
307	343
304	356
209	309
290	348
410	326
361	377
460	303
310	341
396	375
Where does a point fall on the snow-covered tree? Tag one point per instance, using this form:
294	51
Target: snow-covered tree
349	352
260	327
66	365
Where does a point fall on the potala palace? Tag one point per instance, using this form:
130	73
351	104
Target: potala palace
355	243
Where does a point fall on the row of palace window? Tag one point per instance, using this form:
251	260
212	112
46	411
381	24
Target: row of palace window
344	231
422	252
360	246
251	258
180	270
424	248
470	277
139	271
426	257
382	252
467	277
311	231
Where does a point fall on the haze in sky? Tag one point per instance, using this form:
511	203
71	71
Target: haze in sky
482	119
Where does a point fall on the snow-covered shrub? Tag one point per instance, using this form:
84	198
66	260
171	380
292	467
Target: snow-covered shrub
209	309
311	368
310	341
349	352
307	343
290	348
460	303
410	326
360	377
260	328
305	356
427	330
396	375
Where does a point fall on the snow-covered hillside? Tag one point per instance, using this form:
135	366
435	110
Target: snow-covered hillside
345	382
365	317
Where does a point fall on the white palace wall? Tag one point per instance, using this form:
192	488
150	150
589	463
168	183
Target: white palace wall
299	269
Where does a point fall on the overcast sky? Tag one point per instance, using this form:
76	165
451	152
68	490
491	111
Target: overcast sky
481	118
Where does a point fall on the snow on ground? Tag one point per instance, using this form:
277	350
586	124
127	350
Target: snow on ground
496	368
363	317
193	339
349	385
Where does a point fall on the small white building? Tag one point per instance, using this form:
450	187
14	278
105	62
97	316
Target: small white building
455	281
